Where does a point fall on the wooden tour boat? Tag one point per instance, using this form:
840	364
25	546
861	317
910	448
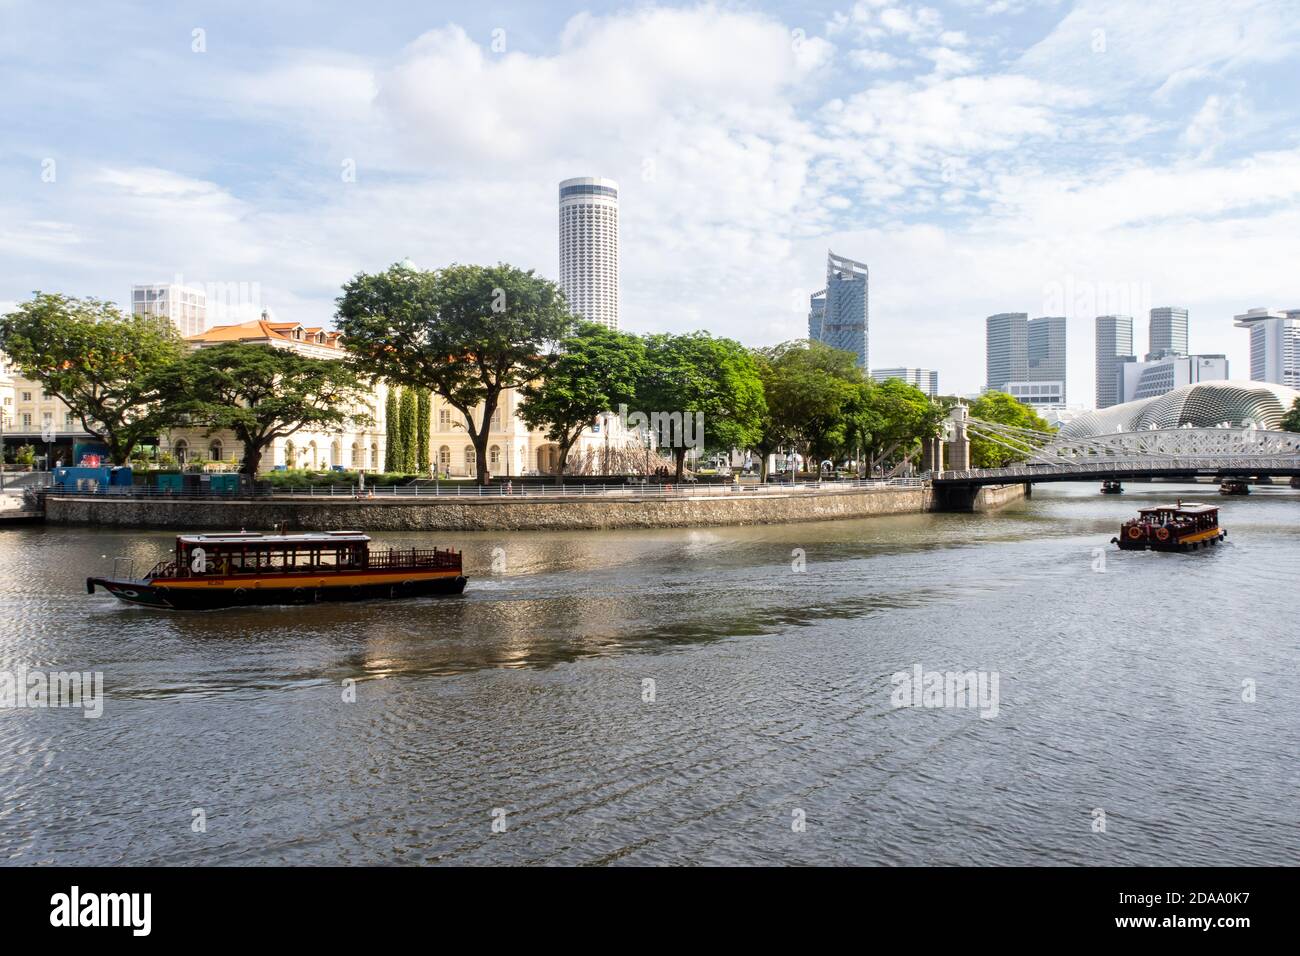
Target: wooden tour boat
1111	487
1234	486
209	571
1180	527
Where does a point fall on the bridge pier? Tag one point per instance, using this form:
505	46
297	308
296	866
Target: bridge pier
959	496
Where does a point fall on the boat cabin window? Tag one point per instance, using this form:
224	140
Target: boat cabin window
253	557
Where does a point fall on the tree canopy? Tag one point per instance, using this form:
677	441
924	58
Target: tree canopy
1001	408
464	332
1291	422
695	374
100	363
262	393
594	370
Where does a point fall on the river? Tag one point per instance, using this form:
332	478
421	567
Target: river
719	696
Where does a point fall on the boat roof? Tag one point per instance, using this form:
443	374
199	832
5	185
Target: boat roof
1191	507
256	537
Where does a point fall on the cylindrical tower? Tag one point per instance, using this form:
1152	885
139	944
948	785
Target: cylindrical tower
589	248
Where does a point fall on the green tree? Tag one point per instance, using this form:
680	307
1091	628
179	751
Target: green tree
1291	422
393	453
696	374
1002	409
464	332
424	411
901	415
594	370
807	388
100	363
410	427
263	393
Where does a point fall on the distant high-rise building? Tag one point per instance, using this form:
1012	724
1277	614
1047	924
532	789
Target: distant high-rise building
1023	350
837	315
1006	341
184	306
1167	334
927	380
1114	342
589	248
1274	345
1045	343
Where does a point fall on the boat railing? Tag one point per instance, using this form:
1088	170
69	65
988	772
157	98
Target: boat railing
414	558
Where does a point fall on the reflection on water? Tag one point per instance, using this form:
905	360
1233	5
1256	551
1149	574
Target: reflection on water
1119	690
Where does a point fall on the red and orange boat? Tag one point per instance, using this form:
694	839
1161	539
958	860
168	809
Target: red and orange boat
209	571
1180	527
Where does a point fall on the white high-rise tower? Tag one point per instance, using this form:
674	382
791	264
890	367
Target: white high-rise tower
589	248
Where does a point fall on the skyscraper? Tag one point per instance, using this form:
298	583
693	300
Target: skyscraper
589	248
184	306
1006	349
926	379
1168	333
837	315
1021	351
1114	341
1274	345
1045	339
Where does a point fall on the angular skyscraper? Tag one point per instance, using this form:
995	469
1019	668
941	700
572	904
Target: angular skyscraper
185	306
1114	344
837	316
1168	333
589	248
1006	349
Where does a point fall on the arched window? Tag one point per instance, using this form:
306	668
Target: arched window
444	459
358	459
214	451
313	456
374	456
336	454
469	459
181	450
494	456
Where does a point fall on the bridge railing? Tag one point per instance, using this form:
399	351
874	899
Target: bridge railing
1253	464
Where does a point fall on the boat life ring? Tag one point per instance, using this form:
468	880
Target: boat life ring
241	595
1134	533
1162	534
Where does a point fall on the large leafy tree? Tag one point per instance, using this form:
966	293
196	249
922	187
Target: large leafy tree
594	370
262	393
1002	409
808	387
698	374
900	415
100	363
464	332
1291	422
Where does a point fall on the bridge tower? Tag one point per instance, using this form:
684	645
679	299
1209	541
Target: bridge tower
957	448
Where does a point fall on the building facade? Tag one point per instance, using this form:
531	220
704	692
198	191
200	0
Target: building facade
838	315
1114	341
1037	394
1138	380
184	306
1274	345
589	258
1020	350
1167	333
927	380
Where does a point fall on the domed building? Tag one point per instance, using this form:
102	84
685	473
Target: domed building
1203	405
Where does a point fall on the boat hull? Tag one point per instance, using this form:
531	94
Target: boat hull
1191	543
221	593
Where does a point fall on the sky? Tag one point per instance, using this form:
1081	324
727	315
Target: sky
980	156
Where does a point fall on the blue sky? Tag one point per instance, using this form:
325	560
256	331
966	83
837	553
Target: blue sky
1013	155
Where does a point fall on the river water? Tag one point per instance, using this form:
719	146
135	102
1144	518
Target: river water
685	696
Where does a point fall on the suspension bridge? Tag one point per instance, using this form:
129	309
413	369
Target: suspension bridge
1223	452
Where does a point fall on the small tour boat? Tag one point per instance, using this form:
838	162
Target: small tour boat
1234	486
236	569
1111	487
1180	527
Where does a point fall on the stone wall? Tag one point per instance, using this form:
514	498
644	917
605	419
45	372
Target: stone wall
515	513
